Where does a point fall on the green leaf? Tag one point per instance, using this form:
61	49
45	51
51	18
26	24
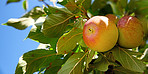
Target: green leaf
115	8
37	59
146	71
52	70
131	6
107	9
37	35
132	52
10	1
26	20
55	24
70	5
142	8
54	67
35	13
127	60
19	69
68	41
76	5
44	46
79	23
21	23
145	56
98	4
122	4
74	62
62	2
78	68
86	4
21	66
121	70
25	4
89	57
102	63
99	72
82	43
55	10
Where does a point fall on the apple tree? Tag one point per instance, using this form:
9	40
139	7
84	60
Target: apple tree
62	49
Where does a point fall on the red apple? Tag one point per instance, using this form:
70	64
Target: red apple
100	34
130	32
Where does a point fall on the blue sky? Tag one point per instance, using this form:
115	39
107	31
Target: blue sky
12	43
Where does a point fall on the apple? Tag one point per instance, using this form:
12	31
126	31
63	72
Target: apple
130	32
113	18
100	34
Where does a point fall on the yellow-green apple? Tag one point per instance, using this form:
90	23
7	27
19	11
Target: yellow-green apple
113	18
100	34
130	32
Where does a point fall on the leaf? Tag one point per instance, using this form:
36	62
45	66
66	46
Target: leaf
132	52
52	70
21	66
145	56
39	22
70	5
54	67
142	8
79	23
115	8
107	9
21	23
35	13
122	4
86	4
102	63
99	72
10	1
131	6
55	10
121	70
146	71
98	4
78	68
89	57
26	20
68	41
25	4
18	69
37	59
76	6
44	46
55	24
62	2
73	63
127	60
82	43
37	35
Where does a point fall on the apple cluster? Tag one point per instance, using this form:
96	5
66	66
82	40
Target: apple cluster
102	33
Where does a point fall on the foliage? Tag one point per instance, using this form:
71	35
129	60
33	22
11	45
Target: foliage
67	53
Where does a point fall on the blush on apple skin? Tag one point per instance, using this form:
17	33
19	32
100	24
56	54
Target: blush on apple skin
100	34
130	32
